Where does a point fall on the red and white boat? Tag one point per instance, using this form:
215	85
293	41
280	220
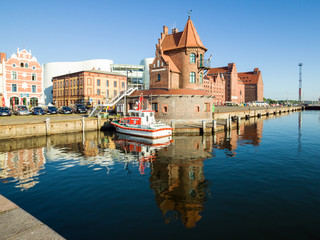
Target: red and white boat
142	123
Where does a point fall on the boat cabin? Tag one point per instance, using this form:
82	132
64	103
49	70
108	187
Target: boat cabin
139	118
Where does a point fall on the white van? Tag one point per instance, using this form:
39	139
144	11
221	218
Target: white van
259	104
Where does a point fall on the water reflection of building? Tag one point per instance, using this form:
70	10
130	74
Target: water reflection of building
250	132
178	181
22	165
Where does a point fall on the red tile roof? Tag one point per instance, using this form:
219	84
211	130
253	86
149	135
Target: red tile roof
249	77
198	92
188	38
173	67
218	70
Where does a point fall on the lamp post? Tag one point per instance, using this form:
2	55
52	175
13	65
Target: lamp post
125	94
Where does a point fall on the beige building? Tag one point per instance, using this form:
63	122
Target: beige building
87	87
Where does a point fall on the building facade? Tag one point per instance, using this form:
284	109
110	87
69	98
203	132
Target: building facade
87	87
134	73
176	77
22	79
234	90
215	86
54	69
2	62
253	85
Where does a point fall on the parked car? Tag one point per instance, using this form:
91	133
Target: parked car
78	108
37	111
51	110
5	111
65	110
21	110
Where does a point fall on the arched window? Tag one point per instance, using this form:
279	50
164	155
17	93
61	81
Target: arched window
192	77
26	65
201	78
22	64
192	57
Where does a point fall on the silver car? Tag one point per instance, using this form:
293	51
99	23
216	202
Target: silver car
21	110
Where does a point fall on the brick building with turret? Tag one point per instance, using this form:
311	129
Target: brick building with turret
177	88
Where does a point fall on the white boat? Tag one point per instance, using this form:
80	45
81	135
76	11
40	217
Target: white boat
142	123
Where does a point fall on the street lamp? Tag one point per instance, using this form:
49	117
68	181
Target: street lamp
125	95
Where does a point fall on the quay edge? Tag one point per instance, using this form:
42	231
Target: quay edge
50	127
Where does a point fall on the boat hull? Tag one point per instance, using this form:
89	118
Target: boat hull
159	132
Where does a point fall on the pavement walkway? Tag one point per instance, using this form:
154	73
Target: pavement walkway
17	224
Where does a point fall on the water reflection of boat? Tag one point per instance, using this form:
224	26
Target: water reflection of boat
144	149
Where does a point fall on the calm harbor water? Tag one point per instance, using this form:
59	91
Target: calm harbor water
259	182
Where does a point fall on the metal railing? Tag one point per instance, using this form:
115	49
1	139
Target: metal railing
99	107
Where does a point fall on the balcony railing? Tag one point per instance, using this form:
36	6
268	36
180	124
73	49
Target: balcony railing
205	63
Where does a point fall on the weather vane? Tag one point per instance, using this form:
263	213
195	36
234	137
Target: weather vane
189	13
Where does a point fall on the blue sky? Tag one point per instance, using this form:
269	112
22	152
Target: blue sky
272	35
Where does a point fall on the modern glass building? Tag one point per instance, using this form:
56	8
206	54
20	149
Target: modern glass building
138	75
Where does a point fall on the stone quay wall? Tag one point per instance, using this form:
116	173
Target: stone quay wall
48	127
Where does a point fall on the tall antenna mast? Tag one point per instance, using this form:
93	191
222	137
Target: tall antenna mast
300	82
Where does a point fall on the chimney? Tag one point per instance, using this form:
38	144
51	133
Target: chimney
174	30
2	57
256	70
165	30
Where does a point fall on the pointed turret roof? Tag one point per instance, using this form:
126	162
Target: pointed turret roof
190	37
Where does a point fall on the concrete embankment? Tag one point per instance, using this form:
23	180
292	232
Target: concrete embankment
15	223
20	127
224	120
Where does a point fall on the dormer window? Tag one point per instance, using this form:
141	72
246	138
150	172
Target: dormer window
192	58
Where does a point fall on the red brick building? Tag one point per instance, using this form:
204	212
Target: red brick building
234	88
96	87
215	86
177	77
237	87
253	85
22	79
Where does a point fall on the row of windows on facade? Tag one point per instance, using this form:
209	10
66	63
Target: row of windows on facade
192	77
23	65
14	76
14	88
155	107
66	83
75	93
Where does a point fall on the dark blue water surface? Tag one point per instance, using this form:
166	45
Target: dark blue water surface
259	182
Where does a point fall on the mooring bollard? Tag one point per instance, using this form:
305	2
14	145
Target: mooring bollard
238	122
83	124
214	126
172	124
47	126
203	126
98	122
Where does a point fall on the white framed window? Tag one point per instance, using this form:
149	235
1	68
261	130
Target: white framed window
192	57
34	88
14	87
192	77
14	75
34	77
